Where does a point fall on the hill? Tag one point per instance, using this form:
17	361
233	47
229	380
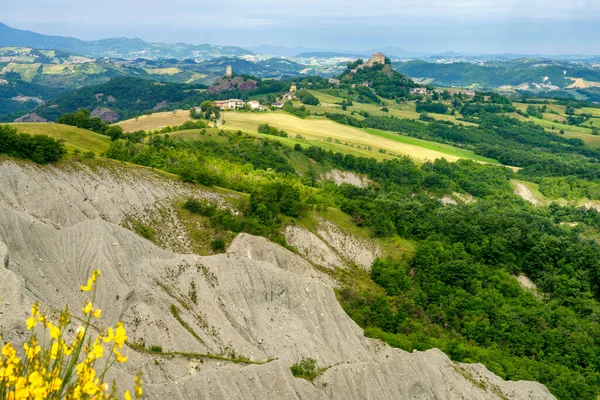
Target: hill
115	47
74	138
126	96
78	216
535	75
379	76
412	215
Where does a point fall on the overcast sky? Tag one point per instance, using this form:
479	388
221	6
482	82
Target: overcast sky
482	26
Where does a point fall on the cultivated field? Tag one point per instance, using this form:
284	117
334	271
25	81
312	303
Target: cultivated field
75	138
155	121
162	71
326	132
580	83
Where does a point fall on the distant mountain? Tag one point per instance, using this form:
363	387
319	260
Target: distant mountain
116	47
280	51
539	75
329	54
306	52
398	52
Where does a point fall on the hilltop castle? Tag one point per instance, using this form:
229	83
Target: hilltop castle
375	58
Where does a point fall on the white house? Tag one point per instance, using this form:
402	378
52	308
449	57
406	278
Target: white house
230	104
419	91
254	105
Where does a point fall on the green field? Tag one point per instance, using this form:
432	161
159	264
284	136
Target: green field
75	138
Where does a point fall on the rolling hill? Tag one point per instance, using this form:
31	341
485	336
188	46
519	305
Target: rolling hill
115	47
536	75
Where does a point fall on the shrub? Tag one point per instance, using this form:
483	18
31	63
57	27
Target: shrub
203	208
269	130
217	245
39	148
305	368
156	349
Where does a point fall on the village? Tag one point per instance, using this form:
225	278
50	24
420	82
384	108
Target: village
255	105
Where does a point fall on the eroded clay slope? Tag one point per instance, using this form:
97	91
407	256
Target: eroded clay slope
258	300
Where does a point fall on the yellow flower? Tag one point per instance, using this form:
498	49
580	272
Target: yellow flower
87	308
120	358
91	281
96	352
97	313
31	351
31	323
54	351
67	350
90	388
89	286
35	379
120	335
55	384
8	351
127	396
54	331
110	336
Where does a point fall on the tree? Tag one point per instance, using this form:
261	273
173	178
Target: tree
115	132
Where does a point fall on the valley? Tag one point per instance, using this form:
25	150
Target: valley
315	226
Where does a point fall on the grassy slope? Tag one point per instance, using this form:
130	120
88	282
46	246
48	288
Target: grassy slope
75	138
402	110
582	132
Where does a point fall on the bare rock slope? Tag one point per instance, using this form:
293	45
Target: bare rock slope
258	300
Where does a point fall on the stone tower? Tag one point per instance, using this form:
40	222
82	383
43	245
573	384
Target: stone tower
228	71
377	58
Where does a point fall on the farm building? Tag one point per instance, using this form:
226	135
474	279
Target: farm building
230	104
254	105
419	91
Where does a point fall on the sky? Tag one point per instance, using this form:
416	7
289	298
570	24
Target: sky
430	26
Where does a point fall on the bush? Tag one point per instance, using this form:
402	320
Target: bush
305	368
270	130
39	148
217	245
203	208
307	98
